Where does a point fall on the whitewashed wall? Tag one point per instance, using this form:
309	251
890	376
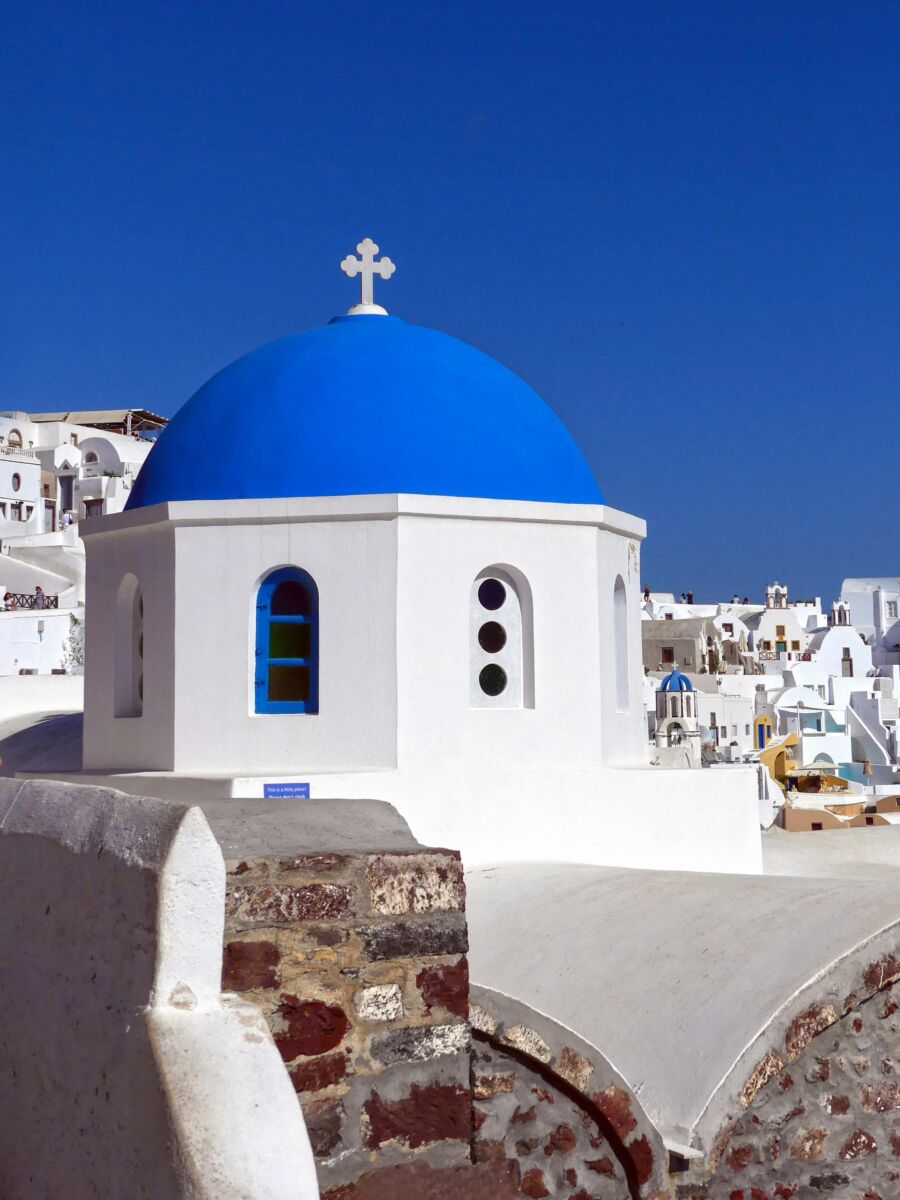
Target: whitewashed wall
394	576
145	742
439	557
35	640
395	719
125	1073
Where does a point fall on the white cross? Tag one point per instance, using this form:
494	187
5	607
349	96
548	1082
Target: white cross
367	268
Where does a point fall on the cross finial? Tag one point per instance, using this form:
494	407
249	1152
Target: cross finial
367	268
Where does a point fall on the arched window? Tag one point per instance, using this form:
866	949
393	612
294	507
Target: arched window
15	439
501	658
286	678
128	651
620	647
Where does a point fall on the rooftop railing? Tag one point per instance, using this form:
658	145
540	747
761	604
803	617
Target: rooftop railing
16	600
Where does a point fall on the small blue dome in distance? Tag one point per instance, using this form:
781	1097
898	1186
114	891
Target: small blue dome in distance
676	682
365	405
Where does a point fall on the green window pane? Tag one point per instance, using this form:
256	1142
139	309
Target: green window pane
289	641
289	683
492	679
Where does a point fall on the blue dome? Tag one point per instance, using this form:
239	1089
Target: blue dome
365	405
676	682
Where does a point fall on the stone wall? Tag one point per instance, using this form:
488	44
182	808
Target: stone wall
356	953
822	1111
358	961
558	1109
559	1144
819	1115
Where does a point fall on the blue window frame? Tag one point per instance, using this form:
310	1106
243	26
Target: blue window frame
286	678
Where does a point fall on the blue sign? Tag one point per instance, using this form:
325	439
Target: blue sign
286	791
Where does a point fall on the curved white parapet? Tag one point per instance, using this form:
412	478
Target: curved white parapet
125	1071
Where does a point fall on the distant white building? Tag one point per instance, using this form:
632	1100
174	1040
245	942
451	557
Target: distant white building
80	463
821	727
781	631
838	650
677	726
57	470
786	670
874	606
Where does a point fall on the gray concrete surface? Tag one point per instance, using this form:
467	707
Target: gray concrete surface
862	853
257	828
671	975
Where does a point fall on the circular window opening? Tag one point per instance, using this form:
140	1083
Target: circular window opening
492	680
492	637
491	594
16	482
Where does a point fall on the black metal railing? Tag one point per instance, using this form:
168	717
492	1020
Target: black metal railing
29	600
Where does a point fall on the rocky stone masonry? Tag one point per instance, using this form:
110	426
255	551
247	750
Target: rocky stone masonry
822	1111
358	961
559	1146
560	1111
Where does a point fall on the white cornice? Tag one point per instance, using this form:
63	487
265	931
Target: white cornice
387	507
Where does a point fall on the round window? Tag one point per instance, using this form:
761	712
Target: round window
492	679
492	637
491	594
16	482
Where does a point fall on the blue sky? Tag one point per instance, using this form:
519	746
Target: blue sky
677	221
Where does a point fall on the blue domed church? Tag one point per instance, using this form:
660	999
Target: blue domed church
369	560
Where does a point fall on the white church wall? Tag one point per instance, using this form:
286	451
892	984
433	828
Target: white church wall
218	572
439	558
395	629
111	942
395	721
621	668
501	640
144	742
